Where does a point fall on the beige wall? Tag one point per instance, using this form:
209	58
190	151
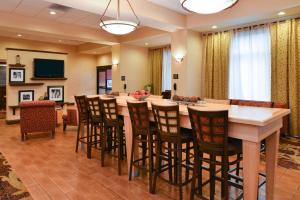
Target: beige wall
187	44
80	69
104	59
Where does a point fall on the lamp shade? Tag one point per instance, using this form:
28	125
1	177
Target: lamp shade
118	27
207	6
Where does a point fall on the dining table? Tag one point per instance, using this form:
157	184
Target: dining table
252	125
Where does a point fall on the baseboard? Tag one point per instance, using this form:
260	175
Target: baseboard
14	121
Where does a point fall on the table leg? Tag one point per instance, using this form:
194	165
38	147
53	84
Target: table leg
251	158
272	143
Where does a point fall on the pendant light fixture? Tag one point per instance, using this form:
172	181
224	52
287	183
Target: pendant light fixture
207	6
117	26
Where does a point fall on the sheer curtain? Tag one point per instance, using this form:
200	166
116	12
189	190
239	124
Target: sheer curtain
250	65
166	69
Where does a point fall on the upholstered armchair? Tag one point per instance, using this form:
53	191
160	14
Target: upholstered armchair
37	116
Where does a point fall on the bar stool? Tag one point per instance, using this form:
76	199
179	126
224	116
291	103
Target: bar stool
142	136
169	131
83	121
96	121
113	122
210	136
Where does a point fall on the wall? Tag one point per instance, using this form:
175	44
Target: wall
187	44
131	62
104	59
80	69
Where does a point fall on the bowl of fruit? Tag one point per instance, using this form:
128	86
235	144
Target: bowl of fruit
140	95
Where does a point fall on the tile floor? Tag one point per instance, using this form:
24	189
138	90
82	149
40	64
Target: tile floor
51	169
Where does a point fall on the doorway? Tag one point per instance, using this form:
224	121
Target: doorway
2	90
104	79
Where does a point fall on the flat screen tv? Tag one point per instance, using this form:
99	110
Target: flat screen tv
46	68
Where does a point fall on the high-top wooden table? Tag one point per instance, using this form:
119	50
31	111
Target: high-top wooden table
250	124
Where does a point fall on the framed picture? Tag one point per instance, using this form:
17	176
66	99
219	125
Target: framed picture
56	93
26	95
16	75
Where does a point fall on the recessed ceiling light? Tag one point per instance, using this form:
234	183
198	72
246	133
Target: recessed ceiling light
19	35
214	27
59	40
146	44
281	13
52	12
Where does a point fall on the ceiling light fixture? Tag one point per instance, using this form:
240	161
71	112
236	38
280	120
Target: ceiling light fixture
281	13
214	27
146	44
117	26
52	12
19	35
207	6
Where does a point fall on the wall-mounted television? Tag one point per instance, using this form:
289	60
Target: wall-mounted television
46	68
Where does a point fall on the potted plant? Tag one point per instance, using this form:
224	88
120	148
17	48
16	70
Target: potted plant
148	87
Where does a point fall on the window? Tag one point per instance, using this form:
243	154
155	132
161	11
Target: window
250	65
166	70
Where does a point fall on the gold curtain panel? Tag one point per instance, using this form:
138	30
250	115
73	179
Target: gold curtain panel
155	65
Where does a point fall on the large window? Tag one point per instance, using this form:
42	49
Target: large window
166	70
250	65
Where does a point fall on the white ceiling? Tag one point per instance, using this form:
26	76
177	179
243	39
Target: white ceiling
170	4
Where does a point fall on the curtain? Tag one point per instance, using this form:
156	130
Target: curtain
166	69
215	62
250	64
155	64
285	41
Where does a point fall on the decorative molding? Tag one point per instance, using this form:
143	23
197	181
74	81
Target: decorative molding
32	50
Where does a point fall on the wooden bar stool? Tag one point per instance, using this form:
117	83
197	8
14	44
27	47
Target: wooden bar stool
210	136
169	131
143	134
83	121
96	121
114	123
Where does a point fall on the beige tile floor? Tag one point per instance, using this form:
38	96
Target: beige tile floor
51	169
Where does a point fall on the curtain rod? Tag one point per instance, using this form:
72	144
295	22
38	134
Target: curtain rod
251	25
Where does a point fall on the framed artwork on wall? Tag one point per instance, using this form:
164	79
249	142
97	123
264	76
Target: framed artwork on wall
26	95
16	75
56	93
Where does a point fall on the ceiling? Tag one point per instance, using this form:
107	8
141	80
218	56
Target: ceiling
77	23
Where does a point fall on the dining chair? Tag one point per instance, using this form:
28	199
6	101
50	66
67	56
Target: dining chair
143	132
210	137
168	124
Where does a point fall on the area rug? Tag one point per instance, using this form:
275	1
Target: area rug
11	187
289	153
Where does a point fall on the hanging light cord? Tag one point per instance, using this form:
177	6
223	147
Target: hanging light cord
118	14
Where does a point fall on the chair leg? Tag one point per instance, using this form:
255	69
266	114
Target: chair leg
144	148
89	141
195	174
170	162
103	143
212	176
187	161
199	170
131	158
119	134
53	133
179	169
157	166
77	139
22	136
95	136
150	153
224	186
237	171
64	126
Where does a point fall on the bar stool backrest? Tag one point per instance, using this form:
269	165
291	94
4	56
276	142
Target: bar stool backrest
210	130
167	120
94	106
139	116
110	109
82	107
